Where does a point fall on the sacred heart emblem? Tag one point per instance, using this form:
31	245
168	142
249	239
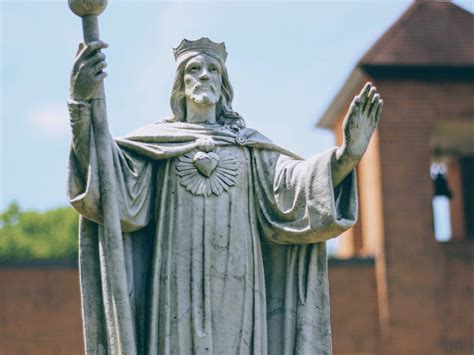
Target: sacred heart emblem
207	174
206	163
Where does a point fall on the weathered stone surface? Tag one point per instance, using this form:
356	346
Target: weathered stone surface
221	231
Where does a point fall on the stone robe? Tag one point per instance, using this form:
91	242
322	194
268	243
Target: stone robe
231	263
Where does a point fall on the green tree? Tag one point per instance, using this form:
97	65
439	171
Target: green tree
32	235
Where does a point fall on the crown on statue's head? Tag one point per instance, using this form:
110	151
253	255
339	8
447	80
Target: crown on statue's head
202	45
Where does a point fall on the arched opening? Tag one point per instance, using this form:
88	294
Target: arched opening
441	202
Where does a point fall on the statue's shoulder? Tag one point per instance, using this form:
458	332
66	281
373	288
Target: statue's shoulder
253	134
156	129
256	139
181	131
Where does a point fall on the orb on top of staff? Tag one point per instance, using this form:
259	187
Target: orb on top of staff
87	7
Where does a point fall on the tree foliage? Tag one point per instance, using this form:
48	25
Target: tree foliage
32	235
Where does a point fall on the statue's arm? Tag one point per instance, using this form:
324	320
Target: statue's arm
80	120
132	173
313	200
86	75
358	126
297	203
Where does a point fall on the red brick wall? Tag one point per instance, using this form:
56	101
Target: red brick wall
455	297
430	292
354	315
40	310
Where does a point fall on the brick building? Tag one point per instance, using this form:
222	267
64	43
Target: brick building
394	288
423	67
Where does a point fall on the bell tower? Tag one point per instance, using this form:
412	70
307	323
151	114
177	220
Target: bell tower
423	67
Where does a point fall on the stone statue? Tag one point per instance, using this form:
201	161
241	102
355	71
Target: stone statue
222	231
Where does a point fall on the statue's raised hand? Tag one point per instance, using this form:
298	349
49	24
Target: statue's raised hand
360	122
87	72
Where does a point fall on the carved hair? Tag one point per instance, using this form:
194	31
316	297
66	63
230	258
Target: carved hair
224	112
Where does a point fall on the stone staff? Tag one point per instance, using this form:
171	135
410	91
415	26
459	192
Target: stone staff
118	311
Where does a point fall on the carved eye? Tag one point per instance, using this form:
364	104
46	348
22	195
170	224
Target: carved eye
194	68
213	69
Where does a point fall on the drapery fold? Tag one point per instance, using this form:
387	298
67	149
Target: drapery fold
295	209
300	207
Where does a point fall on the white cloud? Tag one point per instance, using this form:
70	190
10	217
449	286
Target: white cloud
52	120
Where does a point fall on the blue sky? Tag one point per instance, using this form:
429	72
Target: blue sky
286	62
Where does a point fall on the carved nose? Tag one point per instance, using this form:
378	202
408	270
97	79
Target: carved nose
204	75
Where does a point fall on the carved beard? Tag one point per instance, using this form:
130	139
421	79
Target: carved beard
203	99
207	97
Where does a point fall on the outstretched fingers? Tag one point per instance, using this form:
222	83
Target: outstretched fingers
378	113
375	110
374	103
364	93
369	103
355	105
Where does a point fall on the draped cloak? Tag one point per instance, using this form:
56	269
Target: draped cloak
233	266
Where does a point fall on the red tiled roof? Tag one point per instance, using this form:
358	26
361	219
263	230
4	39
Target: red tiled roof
428	33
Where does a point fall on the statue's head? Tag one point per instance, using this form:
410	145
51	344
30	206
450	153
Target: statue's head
201	76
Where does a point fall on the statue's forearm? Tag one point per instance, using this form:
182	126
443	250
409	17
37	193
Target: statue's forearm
80	118
341	166
83	115
85	118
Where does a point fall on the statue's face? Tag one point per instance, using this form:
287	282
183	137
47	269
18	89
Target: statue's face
203	80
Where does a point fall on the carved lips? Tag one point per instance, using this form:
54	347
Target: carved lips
206	163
